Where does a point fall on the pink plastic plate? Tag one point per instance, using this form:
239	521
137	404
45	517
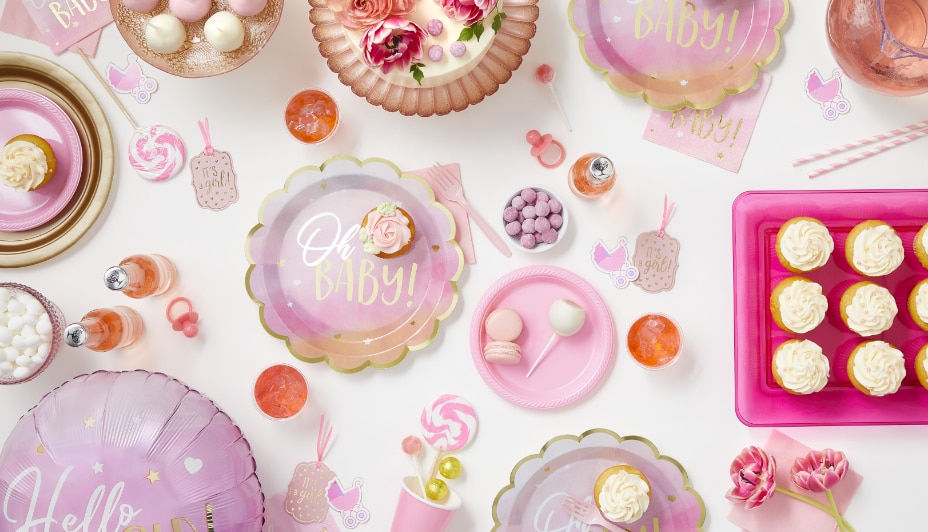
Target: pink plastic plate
318	290
569	465
24	111
575	364
756	218
676	54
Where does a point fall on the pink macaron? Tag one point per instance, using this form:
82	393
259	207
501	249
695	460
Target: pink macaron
502	352
503	324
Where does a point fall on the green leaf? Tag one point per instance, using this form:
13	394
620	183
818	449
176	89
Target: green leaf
467	33
417	72
498	21
478	29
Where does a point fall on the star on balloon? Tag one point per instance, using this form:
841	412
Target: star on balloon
152	476
97	468
88	423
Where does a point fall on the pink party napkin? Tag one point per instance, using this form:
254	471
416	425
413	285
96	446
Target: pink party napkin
461	221
719	135
782	512
16	20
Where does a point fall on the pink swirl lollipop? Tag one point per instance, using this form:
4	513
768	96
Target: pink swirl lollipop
448	423
156	152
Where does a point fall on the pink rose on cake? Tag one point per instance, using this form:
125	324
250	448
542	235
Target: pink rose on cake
362	14
393	43
387	231
467	11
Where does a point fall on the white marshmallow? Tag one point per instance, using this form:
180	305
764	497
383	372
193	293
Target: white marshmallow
22	372
18	342
10	353
44	327
6	336
43	350
34	341
37	360
5	293
23	360
15	324
16	307
6	368
34	307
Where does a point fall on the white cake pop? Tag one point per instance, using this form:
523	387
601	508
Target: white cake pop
224	31
165	34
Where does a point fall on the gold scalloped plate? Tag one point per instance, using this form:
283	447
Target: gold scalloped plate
512	42
42	76
197	58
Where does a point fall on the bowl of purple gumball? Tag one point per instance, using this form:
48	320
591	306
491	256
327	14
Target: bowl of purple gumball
534	218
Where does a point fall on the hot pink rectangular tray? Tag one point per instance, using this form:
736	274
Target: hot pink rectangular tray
756	218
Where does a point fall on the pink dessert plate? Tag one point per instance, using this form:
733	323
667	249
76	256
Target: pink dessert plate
679	54
23	111
328	299
756	218
569	465
575	364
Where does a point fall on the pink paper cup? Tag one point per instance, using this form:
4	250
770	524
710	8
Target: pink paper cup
416	513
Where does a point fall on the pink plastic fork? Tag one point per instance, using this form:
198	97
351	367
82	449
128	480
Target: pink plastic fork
451	188
587	513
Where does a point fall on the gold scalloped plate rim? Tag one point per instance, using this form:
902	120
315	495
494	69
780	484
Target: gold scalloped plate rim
503	58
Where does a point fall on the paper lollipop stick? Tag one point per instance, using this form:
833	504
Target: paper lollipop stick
566	319
156	152
413	446
545	75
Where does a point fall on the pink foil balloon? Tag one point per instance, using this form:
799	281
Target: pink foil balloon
120	450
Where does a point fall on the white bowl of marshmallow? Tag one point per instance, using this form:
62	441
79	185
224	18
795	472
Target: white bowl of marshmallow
30	333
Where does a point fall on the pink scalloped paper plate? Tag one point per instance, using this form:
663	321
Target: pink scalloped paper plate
564	376
677	54
569	465
756	218
319	291
511	43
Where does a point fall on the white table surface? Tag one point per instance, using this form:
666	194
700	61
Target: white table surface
686	411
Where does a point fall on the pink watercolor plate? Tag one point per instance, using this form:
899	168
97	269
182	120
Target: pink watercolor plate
679	54
321	293
24	111
575	364
569	465
756	218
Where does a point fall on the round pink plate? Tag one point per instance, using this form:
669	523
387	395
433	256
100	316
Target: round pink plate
575	364
21	112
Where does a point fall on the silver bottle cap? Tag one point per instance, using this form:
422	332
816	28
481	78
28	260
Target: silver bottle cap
115	278
75	335
601	168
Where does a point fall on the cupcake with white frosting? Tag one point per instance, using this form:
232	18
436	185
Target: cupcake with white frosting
918	304
798	304
921	245
804	244
800	367
867	308
873	248
921	366
876	368
622	494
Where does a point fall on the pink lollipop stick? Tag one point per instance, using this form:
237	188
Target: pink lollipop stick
413	446
545	75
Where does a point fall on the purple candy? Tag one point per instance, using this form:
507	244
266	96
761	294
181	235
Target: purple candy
541	224
518	202
458	49
435	27
528	226
527	240
555	206
528	211
537	237
556	221
541	197
520	218
510	214
542	208
436	52
549	236
513	228
529	195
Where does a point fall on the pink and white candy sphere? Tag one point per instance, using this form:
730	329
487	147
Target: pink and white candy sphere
534	218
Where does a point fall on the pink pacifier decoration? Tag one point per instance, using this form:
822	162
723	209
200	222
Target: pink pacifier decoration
186	322
541	144
214	179
448	423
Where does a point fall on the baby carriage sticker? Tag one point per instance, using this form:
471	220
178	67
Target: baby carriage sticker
615	262
131	80
348	502
827	93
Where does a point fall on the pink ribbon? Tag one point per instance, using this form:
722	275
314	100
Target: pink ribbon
204	130
665	219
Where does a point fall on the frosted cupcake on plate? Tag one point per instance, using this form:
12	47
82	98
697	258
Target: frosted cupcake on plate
800	367
876	368
921	366
921	245
27	163
873	248
867	308
387	231
804	244
798	304
918	304
622	494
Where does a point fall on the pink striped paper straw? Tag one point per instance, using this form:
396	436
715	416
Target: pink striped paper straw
860	143
895	143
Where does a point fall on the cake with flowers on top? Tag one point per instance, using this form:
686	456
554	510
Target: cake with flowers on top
419	43
387	231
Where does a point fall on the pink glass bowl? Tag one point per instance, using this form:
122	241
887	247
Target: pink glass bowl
58	323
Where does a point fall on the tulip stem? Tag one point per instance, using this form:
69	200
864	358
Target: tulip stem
843	525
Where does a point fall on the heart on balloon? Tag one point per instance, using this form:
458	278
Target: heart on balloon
192	465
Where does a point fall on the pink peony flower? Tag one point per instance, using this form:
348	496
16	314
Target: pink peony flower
362	14
393	43
819	470
467	11
753	474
